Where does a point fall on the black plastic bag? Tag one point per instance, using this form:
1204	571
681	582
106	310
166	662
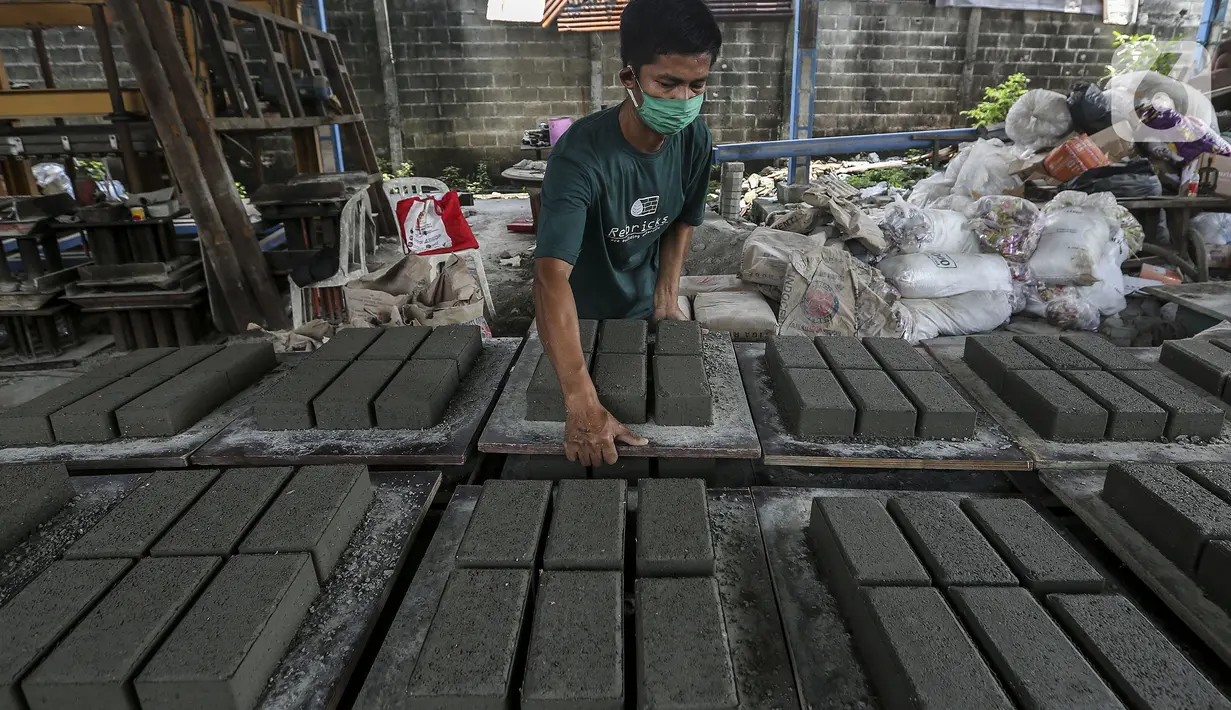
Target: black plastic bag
1090	109
1135	178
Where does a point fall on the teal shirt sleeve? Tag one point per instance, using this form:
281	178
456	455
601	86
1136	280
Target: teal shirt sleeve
697	189
568	193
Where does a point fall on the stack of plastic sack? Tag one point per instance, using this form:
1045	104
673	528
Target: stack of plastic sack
980	168
949	294
1038	119
910	230
1002	225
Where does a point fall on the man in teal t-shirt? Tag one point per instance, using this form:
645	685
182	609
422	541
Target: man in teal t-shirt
625	188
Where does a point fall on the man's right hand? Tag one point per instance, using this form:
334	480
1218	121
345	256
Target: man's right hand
590	433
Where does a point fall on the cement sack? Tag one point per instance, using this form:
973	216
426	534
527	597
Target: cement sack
767	252
937	275
850	218
743	314
1073	232
964	314
910	229
685	304
693	285
830	291
985	170
417	290
929	190
1039	119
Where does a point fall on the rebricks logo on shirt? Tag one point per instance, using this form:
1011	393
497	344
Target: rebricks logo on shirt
644	207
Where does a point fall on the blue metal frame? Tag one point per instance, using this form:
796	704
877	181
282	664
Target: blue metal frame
803	89
840	145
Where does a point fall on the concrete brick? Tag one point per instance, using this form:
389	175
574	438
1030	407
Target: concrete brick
94	665
396	343
856	539
1055	353
620	380
1040	665
942	413
174	405
523	467
846	353
463	343
954	551
1104	352
348	402
243	364
627	467
131	527
622	336
467	659
544	397
346	344
587	328
30	494
1216	478
814	404
91	419
1214	572
316	512
1174	512
1140	662
30	422
178	361
127	364
673	528
218	520
417	396
1131	416
587	526
787	352
895	354
918	654
991	356
506	526
288	404
1037	554
677	337
222	653
682	655
883	411
1187	413
576	653
1198	361
681	391
1053	406
33	620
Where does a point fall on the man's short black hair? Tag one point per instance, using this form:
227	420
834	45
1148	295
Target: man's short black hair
650	28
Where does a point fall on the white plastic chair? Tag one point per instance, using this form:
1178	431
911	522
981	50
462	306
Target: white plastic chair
352	258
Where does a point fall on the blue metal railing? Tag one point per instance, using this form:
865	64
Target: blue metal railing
841	145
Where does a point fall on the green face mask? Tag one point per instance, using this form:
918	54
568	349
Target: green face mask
667	117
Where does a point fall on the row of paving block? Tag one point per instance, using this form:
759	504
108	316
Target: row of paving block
387	378
1080	387
981	603
151	392
1205	363
185	594
878	387
677	380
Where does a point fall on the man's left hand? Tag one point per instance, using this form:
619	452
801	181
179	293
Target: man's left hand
670	311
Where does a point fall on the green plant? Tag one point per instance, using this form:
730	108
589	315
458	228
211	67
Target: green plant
480	182
1138	53
897	177
406	169
243	191
452	177
997	100
94	169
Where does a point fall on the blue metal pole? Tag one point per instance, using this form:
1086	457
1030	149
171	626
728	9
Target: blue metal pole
337	131
803	85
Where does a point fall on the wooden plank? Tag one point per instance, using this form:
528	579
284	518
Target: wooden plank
990	450
230	124
214	44
128	155
1211	299
24	104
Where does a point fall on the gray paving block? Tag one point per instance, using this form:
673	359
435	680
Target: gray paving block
587	526
1037	554
678	337
346	344
30	422
918	654
681	391
462	343
522	467
814	404
844	352
1149	671
629	468
222	653
125	365
1214	572
787	352
1054	407
682	655
1055	353
316	512
91	419
991	356
417	396
468	656
955	552
1174	512
131	527
30	494
506	526
94	665
243	364
855	538
942	413
396	343
179	361
218	520
1188	414
544	396
1198	361
1131	416
1104	352
622	336
1040	665
347	403
575	659
33	620
895	354
174	405
673	528
587	329
1216	477
883	411
288	404
620	380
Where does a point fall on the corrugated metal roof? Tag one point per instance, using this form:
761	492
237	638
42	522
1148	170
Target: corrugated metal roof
603	15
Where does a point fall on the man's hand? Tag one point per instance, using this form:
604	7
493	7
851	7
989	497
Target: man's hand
668	311
590	433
